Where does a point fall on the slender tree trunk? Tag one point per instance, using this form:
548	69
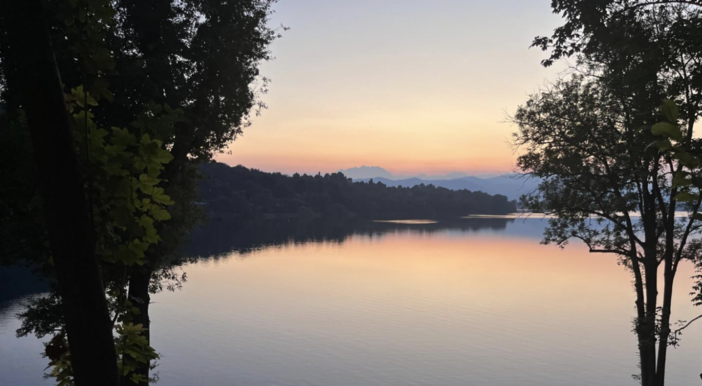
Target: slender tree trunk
646	330
669	276
647	351
641	335
140	298
65	205
647	338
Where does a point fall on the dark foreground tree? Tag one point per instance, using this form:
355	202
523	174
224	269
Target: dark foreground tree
590	138
33	71
175	74
202	57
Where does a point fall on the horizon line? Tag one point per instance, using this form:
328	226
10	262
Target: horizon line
477	174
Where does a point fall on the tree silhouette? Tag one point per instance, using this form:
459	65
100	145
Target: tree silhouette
182	73
30	62
589	137
242	193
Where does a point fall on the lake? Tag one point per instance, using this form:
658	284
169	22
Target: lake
476	301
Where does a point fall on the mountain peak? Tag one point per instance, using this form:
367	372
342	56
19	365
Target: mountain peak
509	184
366	172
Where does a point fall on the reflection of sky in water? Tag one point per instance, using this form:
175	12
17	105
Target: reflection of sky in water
530	228
479	302
20	360
407	222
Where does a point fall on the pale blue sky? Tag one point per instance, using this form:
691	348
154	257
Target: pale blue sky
412	86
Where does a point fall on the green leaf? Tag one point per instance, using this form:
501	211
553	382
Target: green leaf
125	255
146	221
138	247
670	110
160	214
687	197
114	150
161	198
98	134
90	100
687	159
680	179
122	137
150	148
152	236
667	130
82	97
163	156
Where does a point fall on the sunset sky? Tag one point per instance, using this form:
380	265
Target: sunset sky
414	86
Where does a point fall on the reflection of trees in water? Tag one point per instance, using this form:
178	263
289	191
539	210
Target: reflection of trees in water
17	283
218	239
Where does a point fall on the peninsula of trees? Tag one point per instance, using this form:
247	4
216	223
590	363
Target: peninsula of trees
247	194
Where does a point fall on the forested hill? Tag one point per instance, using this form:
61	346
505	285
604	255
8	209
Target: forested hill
242	193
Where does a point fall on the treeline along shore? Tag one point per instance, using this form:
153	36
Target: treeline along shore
242	193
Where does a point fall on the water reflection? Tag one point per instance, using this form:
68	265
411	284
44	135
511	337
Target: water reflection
218	239
408	222
17	283
472	302
475	301
20	360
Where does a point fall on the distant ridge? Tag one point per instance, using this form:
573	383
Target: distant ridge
367	172
511	185
364	172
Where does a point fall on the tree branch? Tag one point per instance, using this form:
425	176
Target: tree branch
687	325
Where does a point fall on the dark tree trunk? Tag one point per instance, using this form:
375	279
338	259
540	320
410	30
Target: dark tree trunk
641	335
648	338
66	208
669	276
646	328
140	298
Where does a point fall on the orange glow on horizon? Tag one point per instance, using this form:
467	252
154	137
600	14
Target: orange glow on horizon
402	145
393	91
312	165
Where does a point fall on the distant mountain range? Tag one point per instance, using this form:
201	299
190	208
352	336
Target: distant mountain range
364	172
510	185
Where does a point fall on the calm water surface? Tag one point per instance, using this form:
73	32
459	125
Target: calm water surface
475	302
